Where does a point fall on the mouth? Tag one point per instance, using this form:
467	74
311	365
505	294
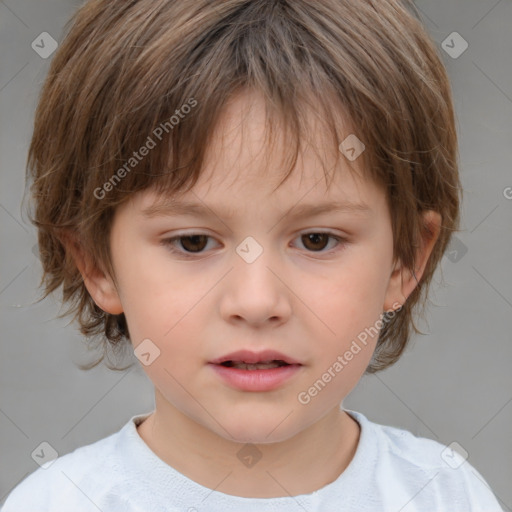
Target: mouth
246	370
255	360
264	365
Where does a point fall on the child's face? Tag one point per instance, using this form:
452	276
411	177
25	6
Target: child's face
308	298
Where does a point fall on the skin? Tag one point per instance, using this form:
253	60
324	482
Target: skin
307	300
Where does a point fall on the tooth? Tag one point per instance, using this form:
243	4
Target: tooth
256	366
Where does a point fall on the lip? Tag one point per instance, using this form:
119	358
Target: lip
248	356
256	380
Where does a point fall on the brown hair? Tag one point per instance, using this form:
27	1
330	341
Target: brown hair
125	71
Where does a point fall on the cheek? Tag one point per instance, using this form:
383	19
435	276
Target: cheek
170	308
348	297
345	306
154	297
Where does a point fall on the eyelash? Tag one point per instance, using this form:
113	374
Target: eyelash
169	243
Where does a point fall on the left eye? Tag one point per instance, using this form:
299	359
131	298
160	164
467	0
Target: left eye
196	242
315	239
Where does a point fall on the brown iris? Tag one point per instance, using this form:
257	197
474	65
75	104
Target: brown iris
315	238
197	240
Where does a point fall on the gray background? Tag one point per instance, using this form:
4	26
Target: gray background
453	385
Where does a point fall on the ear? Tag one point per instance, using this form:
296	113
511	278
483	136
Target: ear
402	281
98	283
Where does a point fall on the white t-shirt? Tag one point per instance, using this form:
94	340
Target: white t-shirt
392	470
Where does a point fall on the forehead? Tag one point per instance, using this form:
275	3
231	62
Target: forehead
245	164
252	141
246	151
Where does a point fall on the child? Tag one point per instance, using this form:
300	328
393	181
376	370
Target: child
259	127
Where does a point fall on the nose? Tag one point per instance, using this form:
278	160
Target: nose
256	292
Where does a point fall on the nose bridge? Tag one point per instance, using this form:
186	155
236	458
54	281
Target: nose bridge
256	257
254	291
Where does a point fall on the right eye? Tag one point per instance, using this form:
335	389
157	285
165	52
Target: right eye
193	243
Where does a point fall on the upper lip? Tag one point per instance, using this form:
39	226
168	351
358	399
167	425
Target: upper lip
248	356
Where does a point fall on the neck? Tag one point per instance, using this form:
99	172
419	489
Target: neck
302	464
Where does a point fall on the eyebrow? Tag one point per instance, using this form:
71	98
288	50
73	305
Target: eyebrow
176	208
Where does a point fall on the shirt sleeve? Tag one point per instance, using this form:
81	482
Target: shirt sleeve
461	489
480	495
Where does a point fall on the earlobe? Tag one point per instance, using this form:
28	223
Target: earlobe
98	283
403	281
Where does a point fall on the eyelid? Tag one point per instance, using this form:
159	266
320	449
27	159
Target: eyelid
342	241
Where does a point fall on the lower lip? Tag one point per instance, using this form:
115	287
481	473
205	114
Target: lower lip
256	380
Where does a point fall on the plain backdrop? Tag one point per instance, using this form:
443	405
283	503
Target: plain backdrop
453	384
